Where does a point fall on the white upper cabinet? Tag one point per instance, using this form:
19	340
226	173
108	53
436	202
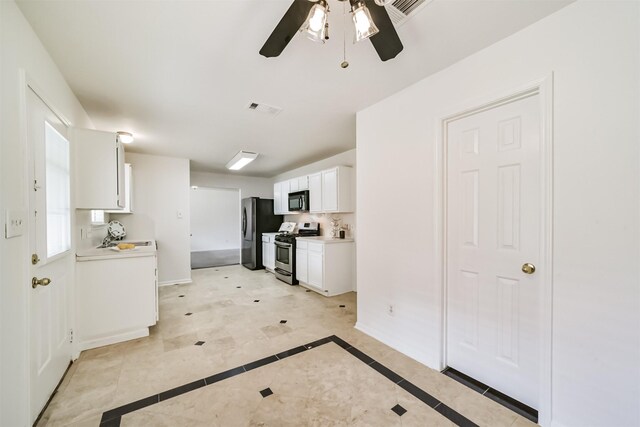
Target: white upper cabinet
299	184
277	198
336	190
99	170
281	198
329	191
315	192
128	191
303	183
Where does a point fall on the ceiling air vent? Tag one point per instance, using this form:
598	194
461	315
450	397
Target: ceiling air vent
400	10
264	108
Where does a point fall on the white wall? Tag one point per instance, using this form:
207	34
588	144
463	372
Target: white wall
160	193
347	158
20	49
593	50
215	219
249	186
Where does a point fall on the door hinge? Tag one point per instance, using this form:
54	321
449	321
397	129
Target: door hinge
34	259
71	336
36	187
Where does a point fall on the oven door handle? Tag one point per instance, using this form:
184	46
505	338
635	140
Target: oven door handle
283	272
283	245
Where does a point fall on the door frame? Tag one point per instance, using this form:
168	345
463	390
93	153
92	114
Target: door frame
543	88
27	84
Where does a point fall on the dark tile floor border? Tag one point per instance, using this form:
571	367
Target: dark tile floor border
113	417
508	402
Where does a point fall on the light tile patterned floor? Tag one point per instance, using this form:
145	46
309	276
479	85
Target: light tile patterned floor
238	314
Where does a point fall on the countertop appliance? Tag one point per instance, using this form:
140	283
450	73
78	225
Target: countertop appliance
299	201
257	218
286	250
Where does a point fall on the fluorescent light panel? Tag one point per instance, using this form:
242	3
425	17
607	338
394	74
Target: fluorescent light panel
241	159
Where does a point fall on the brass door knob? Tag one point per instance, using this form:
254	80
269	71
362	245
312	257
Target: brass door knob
40	282
528	268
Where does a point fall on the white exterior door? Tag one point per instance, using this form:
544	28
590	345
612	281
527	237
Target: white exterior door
50	242
493	218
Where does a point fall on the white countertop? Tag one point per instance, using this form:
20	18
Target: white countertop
325	239
272	233
109	253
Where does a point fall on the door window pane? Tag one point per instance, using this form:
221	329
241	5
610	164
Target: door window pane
58	192
97	217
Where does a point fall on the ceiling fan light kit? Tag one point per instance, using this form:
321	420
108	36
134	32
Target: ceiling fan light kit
363	22
316	26
370	19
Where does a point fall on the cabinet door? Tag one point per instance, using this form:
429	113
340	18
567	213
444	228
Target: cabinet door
99	168
271	254
128	191
330	190
277	198
302	266
315	269
315	192
293	185
284	197
303	183
265	258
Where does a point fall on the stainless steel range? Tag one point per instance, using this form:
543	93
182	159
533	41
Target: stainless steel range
286	249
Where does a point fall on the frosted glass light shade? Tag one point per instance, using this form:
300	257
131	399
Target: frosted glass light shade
363	22
315	26
383	2
125	137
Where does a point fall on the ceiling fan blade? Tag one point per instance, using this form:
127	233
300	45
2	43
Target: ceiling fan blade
286	28
386	41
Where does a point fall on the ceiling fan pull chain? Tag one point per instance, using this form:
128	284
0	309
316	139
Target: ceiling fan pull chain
344	63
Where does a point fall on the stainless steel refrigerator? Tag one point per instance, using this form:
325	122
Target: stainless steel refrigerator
257	218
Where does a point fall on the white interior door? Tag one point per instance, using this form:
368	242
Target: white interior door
50	242
493	218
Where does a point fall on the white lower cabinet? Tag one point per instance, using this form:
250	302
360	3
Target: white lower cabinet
315	261
117	299
325	265
302	265
269	251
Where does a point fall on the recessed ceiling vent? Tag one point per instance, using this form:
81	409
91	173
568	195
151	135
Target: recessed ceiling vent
265	109
400	10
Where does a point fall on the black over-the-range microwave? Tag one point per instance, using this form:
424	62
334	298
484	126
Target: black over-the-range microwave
299	201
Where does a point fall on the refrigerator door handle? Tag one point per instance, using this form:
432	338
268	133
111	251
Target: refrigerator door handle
244	222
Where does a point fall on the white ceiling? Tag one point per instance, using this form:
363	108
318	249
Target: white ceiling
179	74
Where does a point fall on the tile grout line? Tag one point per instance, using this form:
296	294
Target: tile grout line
451	415
119	416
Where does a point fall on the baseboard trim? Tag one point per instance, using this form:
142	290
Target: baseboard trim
413	353
113	339
175	282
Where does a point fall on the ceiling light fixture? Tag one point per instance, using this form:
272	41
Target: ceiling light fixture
241	159
316	25
370	18
363	22
125	137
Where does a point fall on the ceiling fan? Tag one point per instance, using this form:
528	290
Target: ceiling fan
370	19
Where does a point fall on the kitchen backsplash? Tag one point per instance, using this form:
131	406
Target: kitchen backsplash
347	220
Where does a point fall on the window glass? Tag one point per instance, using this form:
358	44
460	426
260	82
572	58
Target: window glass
58	192
97	217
